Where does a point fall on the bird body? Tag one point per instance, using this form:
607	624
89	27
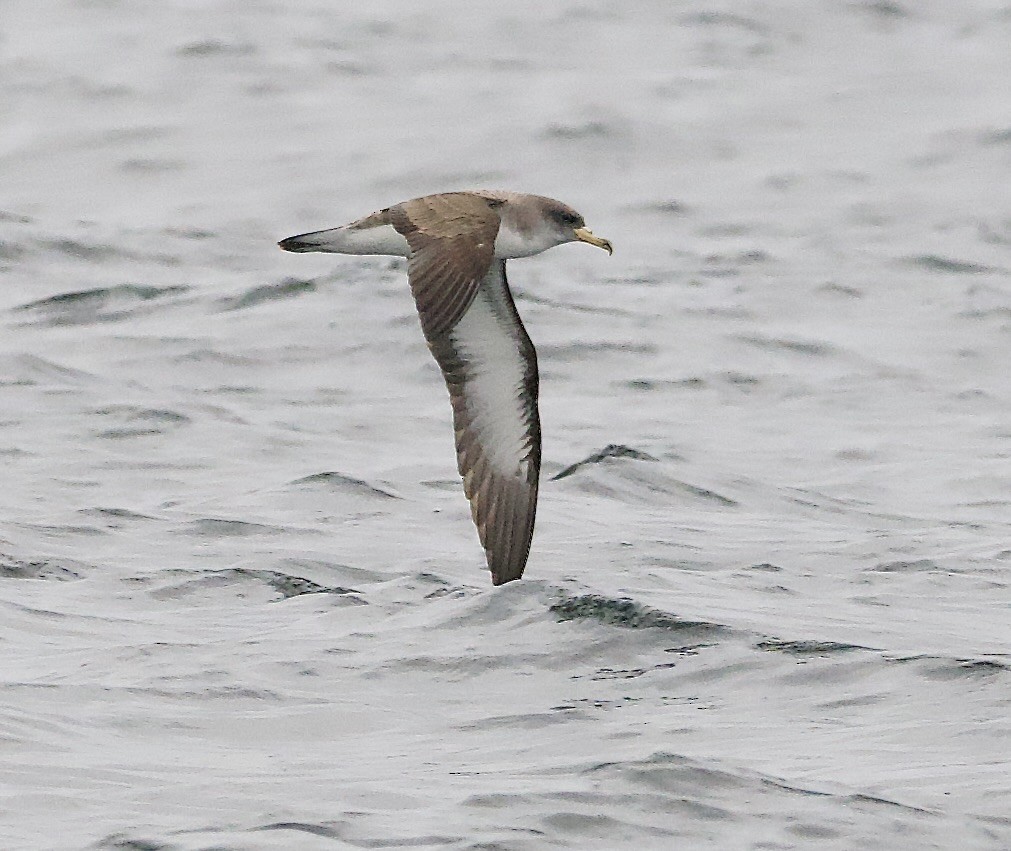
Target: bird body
456	245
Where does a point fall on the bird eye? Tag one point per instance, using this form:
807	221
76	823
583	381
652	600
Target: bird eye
569	218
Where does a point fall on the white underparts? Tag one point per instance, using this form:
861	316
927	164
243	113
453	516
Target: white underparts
494	388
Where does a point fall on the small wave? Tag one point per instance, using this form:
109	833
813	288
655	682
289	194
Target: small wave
946	669
807	648
103	304
32	370
344	484
135	421
640	483
183	583
612	450
626	613
800	347
42	568
288	288
937	263
217	527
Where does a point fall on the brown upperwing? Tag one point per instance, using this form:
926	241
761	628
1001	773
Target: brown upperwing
452	241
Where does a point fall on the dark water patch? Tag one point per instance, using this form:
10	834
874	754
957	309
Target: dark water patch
578	351
578	131
61	532
765	567
937	263
856	702
116	518
920	565
626	613
211	47
741	258
1001	136
885	9
344	484
136	133
524	721
151	165
875	800
668	563
801	347
723	230
668	207
650	384
671	208
834	289
349	68
189	233
349	835
642	279
135	421
43	568
215	357
807	648
859	455
82	250
584	706
103	304
740	380
123	842
460	592
722	20
625	673
217	527
612	450
198	582
287	585
457	668
715	272
943	669
231	694
288	288
808	830
327	830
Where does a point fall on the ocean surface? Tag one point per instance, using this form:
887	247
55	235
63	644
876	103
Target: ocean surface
242	602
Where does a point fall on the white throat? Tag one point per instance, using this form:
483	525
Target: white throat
511	243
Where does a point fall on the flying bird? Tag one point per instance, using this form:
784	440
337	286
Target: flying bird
456	245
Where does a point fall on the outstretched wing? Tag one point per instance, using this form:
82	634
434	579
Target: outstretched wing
452	245
490	368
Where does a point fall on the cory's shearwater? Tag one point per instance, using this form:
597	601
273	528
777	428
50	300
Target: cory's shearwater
456	245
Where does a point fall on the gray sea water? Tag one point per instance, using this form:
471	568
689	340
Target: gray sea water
242	603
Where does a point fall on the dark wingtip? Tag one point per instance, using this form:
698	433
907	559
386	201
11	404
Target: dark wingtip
290	244
501	577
